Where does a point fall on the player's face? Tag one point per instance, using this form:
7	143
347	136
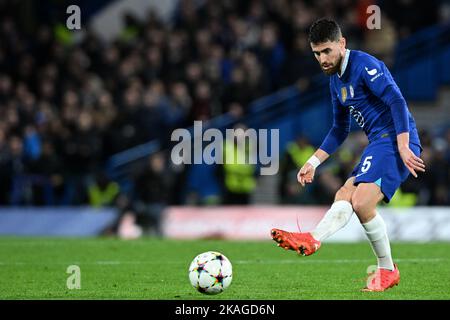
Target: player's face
329	55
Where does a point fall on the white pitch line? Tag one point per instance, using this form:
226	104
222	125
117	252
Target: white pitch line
300	260
331	261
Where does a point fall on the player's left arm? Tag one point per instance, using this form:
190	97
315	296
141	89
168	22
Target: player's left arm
383	86
411	161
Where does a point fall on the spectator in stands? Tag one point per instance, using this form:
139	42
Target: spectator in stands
440	174
381	42
298	66
238	178
5	174
202	102
82	150
238	90
297	153
271	53
15	165
102	191
152	193
48	169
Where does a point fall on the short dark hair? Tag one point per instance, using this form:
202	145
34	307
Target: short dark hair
324	30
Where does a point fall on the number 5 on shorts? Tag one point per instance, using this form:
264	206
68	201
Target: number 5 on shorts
366	164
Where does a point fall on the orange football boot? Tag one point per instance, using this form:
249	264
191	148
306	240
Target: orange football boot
382	279
303	243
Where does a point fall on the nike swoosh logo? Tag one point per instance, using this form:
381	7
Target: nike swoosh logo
371	72
360	174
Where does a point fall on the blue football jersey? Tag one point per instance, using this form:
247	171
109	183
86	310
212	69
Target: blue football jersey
366	92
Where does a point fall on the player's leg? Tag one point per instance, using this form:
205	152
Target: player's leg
338	215
379	173
365	199
364	202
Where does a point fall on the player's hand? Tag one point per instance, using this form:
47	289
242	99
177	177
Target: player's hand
306	174
411	161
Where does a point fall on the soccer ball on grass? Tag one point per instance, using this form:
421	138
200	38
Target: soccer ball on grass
210	272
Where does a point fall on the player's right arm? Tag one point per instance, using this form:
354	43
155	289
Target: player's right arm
335	137
307	171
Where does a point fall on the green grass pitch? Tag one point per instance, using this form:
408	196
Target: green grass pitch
35	268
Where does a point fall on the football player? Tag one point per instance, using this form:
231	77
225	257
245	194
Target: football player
361	88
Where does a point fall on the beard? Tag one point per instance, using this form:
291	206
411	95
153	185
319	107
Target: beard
332	69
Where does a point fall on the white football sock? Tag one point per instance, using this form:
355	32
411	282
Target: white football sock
336	218
377	234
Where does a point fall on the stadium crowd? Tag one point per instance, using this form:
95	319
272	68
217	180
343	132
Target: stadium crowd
66	107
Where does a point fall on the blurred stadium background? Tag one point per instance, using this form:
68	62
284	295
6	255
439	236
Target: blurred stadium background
86	115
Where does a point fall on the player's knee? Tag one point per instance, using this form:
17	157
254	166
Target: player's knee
344	193
359	204
362	207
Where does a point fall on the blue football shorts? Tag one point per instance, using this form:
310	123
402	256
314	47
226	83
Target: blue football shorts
381	164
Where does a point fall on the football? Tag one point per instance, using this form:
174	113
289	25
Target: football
210	272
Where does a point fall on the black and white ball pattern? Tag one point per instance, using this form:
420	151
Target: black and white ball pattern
210	272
